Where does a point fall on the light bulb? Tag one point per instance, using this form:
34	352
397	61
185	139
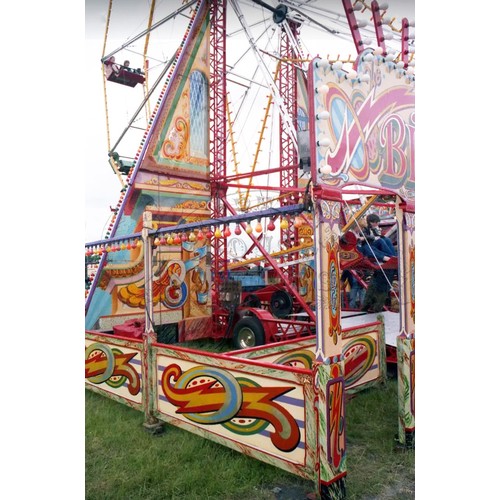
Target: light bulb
322	63
337	65
323	89
322	115
326	169
378	51
324	142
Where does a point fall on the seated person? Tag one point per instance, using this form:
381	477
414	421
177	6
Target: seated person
373	244
112	67
126	66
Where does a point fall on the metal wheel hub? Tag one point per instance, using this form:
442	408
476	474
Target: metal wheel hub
246	337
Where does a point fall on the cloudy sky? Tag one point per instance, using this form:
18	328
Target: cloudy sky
129	18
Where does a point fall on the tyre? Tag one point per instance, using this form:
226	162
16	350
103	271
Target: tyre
248	332
281	304
252	301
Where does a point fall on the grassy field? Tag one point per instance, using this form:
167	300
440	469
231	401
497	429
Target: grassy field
123	461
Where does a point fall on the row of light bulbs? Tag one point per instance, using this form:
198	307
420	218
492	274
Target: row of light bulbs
177	238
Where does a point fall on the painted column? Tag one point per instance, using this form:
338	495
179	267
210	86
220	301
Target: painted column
329	366
151	423
406	340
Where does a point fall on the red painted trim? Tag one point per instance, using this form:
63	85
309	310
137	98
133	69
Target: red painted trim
312	120
111	336
353	25
283	342
404	41
336	478
325	192
377	21
268	188
226	357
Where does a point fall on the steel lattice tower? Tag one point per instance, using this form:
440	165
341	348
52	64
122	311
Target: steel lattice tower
289	160
218	135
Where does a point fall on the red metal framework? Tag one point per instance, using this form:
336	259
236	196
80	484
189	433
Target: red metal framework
289	159
218	127
377	21
405	35
353	25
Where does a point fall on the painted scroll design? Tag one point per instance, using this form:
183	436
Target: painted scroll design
176	145
370	129
406	382
333	281
169	289
304	358
111	366
354	142
412	283
335	389
208	396
359	356
409	227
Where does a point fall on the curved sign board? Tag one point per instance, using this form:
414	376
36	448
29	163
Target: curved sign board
363	128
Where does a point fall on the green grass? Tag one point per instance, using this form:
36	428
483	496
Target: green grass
123	461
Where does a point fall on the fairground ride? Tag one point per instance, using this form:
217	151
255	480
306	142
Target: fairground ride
211	240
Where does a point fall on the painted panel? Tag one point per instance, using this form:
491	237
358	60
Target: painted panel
362	362
172	146
181	284
366	135
327	279
331	420
363	351
259	408
406	385
114	367
180	142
